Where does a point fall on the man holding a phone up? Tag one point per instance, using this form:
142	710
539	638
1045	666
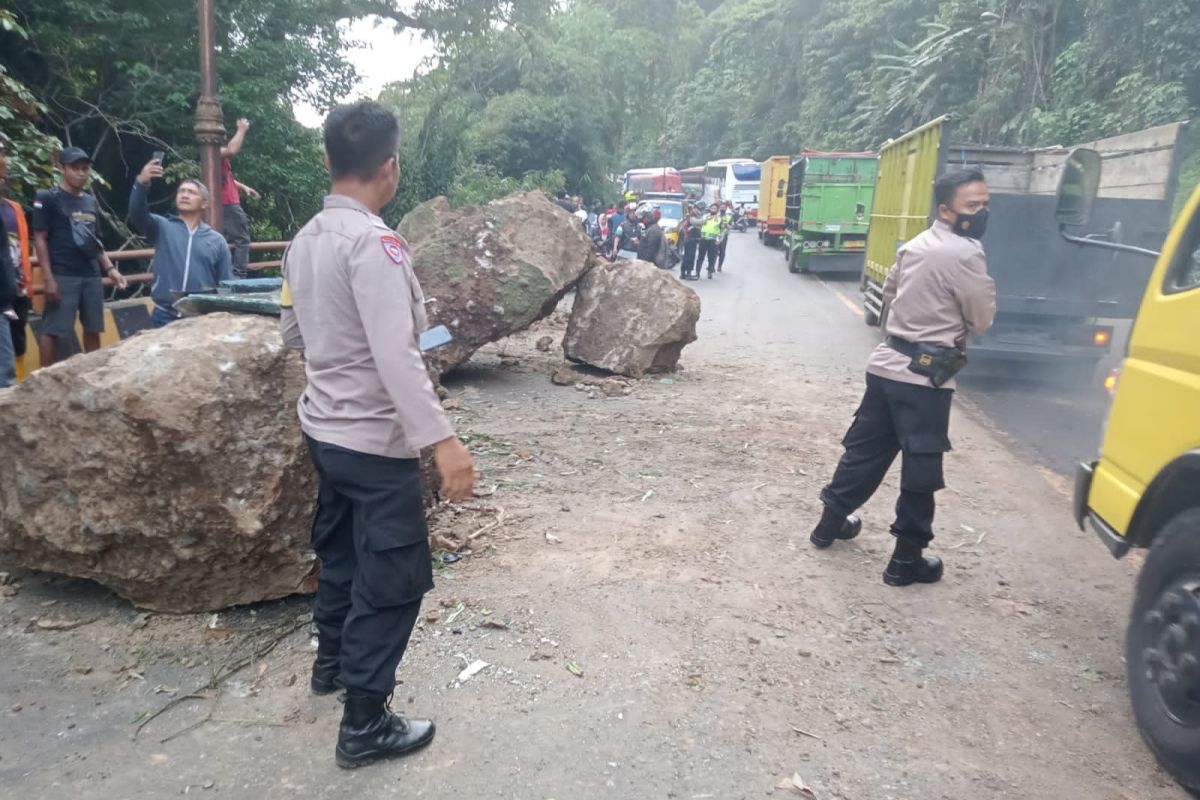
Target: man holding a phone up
189	256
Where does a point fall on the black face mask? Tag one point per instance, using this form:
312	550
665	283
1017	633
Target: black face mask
973	226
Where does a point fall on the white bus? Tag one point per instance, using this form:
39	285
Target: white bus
735	179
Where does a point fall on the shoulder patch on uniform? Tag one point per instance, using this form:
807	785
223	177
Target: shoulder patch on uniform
394	248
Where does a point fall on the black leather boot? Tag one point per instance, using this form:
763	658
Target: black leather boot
834	526
326	670
370	731
909	566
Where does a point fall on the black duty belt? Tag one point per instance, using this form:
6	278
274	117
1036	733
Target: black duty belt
933	361
902	346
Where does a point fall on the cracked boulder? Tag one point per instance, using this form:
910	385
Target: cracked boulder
169	467
490	271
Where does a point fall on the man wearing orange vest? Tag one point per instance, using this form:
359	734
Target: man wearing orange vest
16	228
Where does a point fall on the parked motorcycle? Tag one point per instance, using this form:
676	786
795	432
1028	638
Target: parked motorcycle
741	222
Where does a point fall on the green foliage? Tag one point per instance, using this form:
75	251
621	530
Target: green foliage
29	149
549	94
481	186
120	78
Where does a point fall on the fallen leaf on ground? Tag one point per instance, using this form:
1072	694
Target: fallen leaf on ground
574	669
796	786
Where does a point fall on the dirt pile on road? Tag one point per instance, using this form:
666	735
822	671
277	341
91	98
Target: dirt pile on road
169	468
490	271
631	318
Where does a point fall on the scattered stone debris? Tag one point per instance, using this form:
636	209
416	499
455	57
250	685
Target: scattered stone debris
545	344
587	379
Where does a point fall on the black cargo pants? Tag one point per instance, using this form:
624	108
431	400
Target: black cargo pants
895	417
370	534
690	246
708	250
237	233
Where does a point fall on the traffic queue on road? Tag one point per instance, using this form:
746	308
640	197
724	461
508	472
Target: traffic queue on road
1058	296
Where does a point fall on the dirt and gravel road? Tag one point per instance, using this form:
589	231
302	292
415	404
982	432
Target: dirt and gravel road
654	620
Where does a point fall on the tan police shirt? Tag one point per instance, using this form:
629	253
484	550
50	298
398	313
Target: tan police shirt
938	290
357	312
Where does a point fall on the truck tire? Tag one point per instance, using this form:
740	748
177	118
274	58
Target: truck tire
869	316
1162	649
791	259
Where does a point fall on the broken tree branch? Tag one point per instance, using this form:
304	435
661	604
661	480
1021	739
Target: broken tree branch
214	683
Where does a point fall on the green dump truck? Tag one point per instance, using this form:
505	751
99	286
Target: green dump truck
828	211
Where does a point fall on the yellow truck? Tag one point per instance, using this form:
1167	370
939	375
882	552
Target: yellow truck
772	199
1144	489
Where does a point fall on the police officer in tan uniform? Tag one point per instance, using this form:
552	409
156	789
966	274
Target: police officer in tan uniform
353	305
938	292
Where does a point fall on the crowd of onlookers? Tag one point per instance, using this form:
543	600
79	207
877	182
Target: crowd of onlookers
62	231
631	229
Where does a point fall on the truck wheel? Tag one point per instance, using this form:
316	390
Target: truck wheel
791	258
1162	649
869	316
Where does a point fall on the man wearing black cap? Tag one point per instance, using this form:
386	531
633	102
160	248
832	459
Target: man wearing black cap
66	236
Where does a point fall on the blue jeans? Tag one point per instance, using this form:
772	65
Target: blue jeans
8	356
160	318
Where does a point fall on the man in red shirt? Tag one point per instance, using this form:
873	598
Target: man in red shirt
237	227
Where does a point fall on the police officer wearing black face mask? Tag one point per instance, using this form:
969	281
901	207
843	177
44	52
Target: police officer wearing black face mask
938	293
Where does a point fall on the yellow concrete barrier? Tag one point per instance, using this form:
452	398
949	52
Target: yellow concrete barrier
122	319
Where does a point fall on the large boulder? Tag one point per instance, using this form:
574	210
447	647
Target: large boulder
491	271
169	467
631	318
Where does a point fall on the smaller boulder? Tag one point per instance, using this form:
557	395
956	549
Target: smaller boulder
631	317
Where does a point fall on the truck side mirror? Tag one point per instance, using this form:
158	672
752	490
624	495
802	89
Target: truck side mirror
1078	187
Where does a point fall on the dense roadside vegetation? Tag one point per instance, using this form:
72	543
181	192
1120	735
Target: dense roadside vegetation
563	95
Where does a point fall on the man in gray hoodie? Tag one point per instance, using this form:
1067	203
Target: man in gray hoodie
189	256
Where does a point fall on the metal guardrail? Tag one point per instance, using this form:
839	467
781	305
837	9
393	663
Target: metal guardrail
117	256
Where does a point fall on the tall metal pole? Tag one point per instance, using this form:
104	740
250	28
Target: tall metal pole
210	122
